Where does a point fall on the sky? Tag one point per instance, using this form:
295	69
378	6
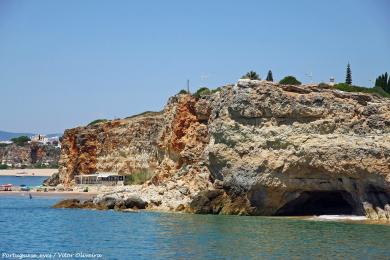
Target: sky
66	63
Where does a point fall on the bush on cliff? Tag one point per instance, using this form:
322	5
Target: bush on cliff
351	88
97	121
183	91
323	85
138	177
204	91
290	80
3	166
251	75
21	140
383	81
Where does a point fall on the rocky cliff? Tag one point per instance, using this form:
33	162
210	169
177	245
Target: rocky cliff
254	148
29	155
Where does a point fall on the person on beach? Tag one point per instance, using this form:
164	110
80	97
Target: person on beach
30	196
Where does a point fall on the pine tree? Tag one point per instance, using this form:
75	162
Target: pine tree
388	84
269	76
383	81
348	78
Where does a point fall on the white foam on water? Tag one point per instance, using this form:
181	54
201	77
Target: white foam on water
338	217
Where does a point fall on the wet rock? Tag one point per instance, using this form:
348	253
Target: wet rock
135	202
207	202
88	204
107	203
68	203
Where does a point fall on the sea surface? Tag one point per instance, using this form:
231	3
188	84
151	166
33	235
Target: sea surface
31	226
26	180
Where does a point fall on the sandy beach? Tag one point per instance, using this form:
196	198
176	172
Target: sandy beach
28	172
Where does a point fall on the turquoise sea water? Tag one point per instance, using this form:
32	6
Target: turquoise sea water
31	226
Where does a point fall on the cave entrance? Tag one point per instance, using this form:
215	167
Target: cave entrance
319	203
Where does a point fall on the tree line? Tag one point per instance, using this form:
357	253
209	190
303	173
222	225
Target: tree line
381	87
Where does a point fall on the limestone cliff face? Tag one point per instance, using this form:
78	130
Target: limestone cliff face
278	148
29	155
121	146
252	148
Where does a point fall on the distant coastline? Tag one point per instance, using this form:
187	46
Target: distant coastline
27	172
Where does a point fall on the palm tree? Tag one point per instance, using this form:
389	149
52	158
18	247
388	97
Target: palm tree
251	75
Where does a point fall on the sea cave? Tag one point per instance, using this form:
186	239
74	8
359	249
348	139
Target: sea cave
319	203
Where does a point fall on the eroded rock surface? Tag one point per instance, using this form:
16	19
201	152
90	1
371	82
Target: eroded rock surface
256	148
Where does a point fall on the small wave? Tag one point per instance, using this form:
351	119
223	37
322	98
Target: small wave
339	217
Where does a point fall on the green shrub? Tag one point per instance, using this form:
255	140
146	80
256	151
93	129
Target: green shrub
183	91
351	88
97	121
383	81
251	75
202	91
3	166
205	91
39	165
21	140
290	80
138	177
323	85
4	144
216	90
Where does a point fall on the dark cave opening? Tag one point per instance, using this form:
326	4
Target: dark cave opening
319	203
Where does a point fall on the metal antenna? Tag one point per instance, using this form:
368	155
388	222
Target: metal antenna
188	86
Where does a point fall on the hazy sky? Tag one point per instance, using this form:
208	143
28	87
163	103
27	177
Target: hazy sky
66	63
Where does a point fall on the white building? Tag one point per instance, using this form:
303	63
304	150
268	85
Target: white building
40	139
332	81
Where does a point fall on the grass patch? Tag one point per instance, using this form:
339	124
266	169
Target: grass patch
351	88
146	113
138	177
97	121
